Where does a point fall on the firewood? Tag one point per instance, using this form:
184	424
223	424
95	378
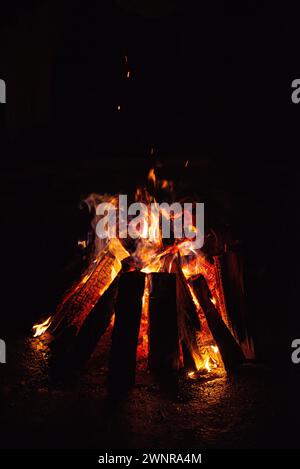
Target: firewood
188	320
233	285
128	309
230	351
164	354
95	324
82	297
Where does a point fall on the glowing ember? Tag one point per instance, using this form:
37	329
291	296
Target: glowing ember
82	244
41	328
191	374
213	300
151	176
142	351
194	297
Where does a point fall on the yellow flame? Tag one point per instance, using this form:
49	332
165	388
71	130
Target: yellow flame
215	348
41	328
207	365
213	300
85	278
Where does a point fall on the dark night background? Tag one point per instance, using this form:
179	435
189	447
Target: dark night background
207	84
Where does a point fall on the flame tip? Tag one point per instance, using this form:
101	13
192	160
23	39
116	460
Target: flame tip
41	328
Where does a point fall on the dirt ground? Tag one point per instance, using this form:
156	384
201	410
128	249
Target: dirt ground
73	410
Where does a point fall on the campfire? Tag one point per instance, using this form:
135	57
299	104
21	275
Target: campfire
171	304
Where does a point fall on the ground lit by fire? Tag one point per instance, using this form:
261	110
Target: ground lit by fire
42	410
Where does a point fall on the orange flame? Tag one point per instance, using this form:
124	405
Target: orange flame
151	176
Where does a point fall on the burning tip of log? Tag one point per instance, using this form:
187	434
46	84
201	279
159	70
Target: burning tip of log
40	329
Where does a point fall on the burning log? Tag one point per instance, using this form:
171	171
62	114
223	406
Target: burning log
128	309
163	331
75	309
188	320
233	283
81	299
230	351
95	324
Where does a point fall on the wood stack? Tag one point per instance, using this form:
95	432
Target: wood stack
87	310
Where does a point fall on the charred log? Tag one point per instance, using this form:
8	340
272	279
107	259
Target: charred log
233	284
163	327
95	325
230	351
188	320
128	309
82	297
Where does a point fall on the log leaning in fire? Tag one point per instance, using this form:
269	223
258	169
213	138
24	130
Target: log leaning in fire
231	270
188	320
82	297
128	309
75	308
230	351
163	328
95	325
